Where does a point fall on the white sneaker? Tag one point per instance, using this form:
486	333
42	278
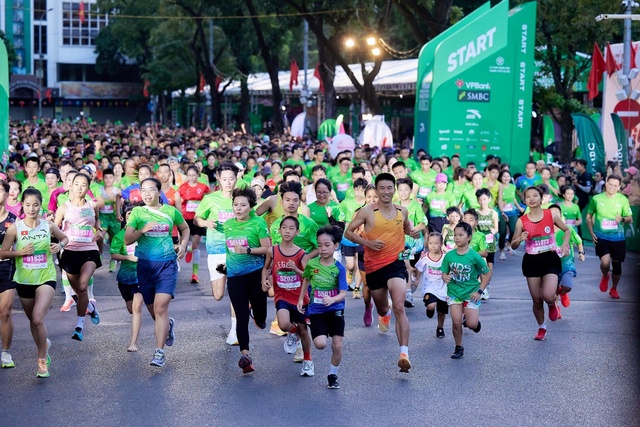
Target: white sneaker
7	361
502	256
232	339
408	300
299	356
307	369
485	295
291	343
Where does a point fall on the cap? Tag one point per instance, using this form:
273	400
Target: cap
172	159
239	166
184	160
91	167
52	171
556	165
257	182
632	170
441	178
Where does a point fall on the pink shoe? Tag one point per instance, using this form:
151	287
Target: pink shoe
67	305
540	335
604	283
553	312
368	318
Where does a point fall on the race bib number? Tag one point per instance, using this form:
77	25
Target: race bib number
288	280
609	225
223	216
192	205
508	207
81	233
489	238
343	187
159	230
106	209
571	222
35	261
540	244
232	243
423	192
439	205
131	249
318	295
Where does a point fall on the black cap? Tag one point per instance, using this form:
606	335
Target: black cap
53	171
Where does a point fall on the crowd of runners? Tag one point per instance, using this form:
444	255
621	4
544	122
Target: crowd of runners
284	223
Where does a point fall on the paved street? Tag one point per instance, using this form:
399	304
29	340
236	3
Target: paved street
585	373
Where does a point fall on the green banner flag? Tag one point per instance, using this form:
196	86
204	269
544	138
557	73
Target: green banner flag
548	135
327	129
4	100
621	137
591	142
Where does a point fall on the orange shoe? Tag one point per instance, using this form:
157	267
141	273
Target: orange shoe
194	279
67	305
564	299
613	293
403	363
384	322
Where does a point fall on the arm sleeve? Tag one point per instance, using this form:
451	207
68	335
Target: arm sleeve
481	264
177	216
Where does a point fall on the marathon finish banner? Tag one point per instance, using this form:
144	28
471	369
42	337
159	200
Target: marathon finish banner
479	102
4	100
591	142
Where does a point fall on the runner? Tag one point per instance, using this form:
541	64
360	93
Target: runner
7	285
79	219
150	226
606	216
247	243
466	275
191	194
383	240
510	209
328	281
323	207
35	274
487	225
13	204
429	277
541	264
110	218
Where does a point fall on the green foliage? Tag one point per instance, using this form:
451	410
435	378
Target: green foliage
11	52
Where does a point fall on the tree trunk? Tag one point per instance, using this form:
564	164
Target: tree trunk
245	100
216	101
371	98
327	72
566	127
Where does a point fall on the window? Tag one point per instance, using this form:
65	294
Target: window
39	8
77	31
40	31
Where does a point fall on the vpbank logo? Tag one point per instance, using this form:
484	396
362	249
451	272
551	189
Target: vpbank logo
472	85
473	114
460	83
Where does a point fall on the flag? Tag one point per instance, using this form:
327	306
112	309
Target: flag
201	83
598	67
81	12
634	52
621	138
294	74
591	142
47	94
612	66
317	75
217	84
145	90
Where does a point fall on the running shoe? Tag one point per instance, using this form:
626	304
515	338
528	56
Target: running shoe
48	348
275	329
67	305
613	293
540	335
485	295
511	251
564	299
112	265
503	256
246	364
171	335
553	312
332	381
77	334
6	360
307	369
298	357
290	343
408	299
383	322
188	257
403	363
194	279
368	316
232	338
356	293
349	277
95	315
458	352
43	369
604	283
439	333
158	359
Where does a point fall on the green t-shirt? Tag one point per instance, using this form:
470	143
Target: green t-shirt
424	181
128	272
484	227
247	234
438	203
218	207
478	242
416	216
348	208
411	164
570	213
458	190
306	239
509	199
465	273
342	183
325	281
309	168
567	260
319	213
469	200
156	244
604	210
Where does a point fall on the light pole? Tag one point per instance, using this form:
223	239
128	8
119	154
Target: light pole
40	59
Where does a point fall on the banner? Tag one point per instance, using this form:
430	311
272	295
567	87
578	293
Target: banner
621	138
548	135
4	102
591	142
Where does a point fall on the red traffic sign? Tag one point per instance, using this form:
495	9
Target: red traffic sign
629	112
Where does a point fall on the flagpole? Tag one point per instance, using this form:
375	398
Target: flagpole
305	64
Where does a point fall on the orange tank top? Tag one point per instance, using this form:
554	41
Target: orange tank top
391	231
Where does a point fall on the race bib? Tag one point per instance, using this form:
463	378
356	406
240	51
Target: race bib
609	225
490	238
35	261
80	233
343	187
538	245
439	205
159	230
423	192
223	216
571	222
288	280
318	295
106	209
192	205
131	249
508	207
231	243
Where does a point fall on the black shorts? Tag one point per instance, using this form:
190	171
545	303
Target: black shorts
436	223
541	264
72	261
294	315
29	291
329	324
441	306
360	252
128	290
7	268
349	250
616	249
416	257
491	257
194	229
378	279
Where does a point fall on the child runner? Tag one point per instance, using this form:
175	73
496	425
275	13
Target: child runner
438	202
541	264
35	274
487	225
12	204
328	281
510	209
453	216
434	290
371	199
282	273
570	211
7	285
478	242
466	275
128	278
110	219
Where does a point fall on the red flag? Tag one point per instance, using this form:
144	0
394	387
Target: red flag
294	74
145	90
317	75
634	52
202	83
47	94
598	67
612	66
81	12
218	81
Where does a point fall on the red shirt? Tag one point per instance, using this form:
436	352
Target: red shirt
286	282
191	198
541	234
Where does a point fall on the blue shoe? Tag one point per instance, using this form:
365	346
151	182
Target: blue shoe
158	359
77	334
95	315
171	336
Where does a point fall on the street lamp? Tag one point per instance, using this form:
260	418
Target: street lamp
371	42
40	60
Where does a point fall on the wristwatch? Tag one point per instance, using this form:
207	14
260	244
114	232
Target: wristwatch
248	250
580	252
480	291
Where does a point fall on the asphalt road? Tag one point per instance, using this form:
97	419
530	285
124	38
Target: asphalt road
585	373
